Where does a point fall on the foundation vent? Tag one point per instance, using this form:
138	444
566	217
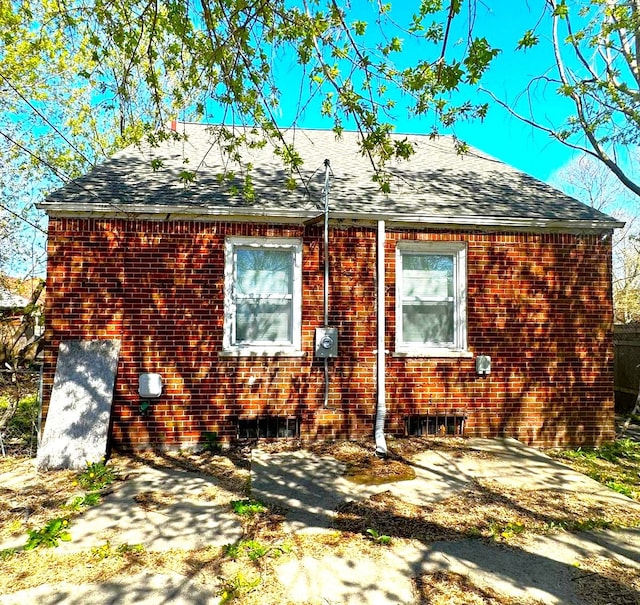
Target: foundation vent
269	427
437	425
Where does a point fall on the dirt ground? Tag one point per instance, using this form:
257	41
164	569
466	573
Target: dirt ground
483	511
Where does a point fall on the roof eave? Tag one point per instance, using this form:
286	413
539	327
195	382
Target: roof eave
176	212
489	222
296	215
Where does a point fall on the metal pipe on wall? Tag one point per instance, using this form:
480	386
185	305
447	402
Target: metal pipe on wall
327	170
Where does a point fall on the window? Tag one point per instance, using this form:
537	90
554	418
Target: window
263	295
431	298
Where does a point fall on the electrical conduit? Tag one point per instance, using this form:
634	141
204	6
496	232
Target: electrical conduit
327	170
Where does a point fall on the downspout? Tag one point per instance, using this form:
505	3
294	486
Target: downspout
381	407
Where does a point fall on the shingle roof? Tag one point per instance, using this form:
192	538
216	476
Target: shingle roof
436	186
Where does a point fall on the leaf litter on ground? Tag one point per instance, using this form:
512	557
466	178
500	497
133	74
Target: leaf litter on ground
484	510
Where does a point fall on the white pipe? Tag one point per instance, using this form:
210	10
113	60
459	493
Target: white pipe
381	406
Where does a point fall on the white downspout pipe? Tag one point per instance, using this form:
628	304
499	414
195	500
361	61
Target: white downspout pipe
381	407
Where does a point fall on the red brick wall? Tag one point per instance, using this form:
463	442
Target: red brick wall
540	305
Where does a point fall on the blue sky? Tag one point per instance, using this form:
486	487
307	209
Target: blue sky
501	134
503	23
505	137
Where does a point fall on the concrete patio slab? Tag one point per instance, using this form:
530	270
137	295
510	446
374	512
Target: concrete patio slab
140	589
310	487
188	515
158	508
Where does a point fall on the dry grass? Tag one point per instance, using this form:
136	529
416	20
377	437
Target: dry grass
28	500
483	511
605	581
447	588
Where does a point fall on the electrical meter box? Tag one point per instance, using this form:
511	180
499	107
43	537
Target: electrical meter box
326	342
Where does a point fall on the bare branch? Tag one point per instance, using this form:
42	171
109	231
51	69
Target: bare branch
597	102
551	132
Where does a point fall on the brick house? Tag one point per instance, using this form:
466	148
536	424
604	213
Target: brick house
470	299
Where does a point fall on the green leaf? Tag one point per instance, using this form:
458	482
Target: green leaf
566	90
529	40
478	59
360	27
561	10
395	45
450	76
187	176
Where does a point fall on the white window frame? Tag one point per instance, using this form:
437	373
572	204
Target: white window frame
458	250
229	346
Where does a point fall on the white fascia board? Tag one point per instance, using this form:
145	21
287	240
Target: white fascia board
296	215
403	220
161	212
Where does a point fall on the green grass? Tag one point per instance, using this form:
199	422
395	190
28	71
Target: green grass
255	550
614	464
26	414
247	508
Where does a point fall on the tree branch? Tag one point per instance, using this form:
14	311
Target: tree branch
598	150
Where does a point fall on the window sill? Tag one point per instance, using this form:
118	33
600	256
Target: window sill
446	353
261	352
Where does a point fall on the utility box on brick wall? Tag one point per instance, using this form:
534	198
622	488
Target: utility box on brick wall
326	342
150	385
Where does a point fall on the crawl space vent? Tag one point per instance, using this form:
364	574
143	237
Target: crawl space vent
442	425
269	427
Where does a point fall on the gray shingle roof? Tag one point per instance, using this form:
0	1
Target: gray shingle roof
436	186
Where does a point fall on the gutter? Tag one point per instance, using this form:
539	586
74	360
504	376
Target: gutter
479	221
297	215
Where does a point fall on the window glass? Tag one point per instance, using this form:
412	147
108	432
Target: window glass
427	276
263	293
263	321
431	311
428	323
427	305
263	272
